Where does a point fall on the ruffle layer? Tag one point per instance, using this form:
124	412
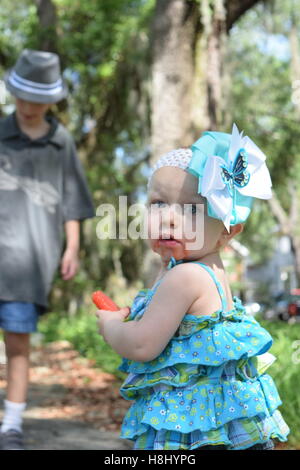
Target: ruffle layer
202	407
185	375
209	341
236	435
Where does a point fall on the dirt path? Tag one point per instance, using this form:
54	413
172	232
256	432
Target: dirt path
71	405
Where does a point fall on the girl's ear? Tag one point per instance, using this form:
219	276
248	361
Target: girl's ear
226	236
236	229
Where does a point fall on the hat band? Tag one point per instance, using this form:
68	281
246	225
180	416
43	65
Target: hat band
34	87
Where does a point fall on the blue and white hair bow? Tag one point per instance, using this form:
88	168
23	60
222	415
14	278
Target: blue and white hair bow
231	171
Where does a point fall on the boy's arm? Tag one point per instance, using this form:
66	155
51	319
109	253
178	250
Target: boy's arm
70	260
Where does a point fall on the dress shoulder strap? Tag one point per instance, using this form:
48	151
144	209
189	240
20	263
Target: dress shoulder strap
174	262
218	284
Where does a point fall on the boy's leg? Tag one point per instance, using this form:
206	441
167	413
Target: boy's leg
17	319
17	352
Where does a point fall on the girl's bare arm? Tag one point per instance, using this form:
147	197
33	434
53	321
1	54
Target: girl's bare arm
145	339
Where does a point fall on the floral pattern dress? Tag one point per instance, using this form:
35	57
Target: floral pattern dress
208	386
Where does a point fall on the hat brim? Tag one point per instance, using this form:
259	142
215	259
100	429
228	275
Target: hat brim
34	97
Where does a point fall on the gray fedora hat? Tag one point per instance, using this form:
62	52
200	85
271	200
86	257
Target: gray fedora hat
36	77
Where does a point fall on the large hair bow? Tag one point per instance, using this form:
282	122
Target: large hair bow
231	171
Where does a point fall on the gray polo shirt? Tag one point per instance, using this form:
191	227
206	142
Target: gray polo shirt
42	185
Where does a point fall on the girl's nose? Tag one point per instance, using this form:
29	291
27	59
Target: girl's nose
171	216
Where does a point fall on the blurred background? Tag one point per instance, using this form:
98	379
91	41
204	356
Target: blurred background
147	76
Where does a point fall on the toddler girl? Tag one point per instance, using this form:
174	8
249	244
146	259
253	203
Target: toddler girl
196	360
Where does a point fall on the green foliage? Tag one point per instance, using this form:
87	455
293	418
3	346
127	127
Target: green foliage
16	25
257	235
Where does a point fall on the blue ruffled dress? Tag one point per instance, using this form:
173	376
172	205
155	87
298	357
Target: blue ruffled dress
208	386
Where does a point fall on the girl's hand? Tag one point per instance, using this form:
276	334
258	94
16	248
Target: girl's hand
107	316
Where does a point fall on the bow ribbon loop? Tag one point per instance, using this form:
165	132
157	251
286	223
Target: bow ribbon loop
231	171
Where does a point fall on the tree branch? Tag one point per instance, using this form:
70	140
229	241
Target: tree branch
280	214
294	209
46	12
236	8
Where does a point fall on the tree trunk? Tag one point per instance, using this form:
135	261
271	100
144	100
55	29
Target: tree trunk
188	53
46	12
215	34
174	31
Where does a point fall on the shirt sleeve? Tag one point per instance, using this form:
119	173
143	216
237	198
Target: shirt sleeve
77	200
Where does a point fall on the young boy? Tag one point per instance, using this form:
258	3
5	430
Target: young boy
43	193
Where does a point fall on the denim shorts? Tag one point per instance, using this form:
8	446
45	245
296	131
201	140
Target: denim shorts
19	317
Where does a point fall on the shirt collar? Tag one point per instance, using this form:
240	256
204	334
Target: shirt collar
11	129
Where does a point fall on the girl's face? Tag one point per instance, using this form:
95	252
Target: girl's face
178	224
30	114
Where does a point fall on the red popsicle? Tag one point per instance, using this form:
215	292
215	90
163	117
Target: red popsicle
103	302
